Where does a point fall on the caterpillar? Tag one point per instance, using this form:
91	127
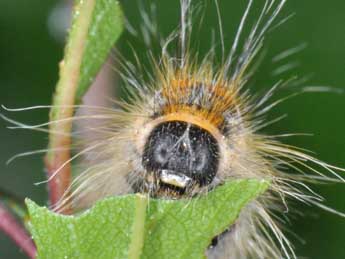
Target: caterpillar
193	124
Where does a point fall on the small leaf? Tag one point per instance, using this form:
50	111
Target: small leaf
105	28
135	226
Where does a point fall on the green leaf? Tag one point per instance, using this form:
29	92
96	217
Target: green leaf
135	226
105	28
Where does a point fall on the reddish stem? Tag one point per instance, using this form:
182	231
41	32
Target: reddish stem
58	185
16	232
57	165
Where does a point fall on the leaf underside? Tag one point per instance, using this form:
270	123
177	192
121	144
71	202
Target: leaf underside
135	226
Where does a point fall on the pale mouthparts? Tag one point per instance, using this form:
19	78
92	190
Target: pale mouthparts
173	178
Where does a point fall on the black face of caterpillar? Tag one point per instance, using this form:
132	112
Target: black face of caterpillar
179	155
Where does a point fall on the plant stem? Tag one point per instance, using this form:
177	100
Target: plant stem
15	205
57	162
10	226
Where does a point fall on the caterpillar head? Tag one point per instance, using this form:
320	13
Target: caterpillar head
179	156
181	145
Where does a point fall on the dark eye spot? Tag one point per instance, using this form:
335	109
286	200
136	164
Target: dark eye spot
161	153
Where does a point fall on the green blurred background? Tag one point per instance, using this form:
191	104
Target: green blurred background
31	47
